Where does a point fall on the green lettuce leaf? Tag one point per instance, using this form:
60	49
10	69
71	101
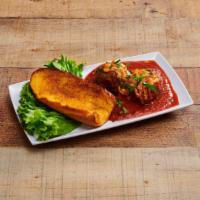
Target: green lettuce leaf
66	65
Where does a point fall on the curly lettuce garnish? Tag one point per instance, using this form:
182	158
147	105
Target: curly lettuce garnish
65	64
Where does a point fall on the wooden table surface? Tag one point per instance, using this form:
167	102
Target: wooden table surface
154	159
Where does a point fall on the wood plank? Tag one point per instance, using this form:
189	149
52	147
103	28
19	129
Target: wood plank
31	42
178	129
100	173
97	9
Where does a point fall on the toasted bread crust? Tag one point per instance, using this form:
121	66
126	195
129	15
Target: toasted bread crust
72	96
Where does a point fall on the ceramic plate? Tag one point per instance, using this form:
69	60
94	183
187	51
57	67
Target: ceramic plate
182	93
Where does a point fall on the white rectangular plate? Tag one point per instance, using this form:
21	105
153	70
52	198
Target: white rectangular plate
181	91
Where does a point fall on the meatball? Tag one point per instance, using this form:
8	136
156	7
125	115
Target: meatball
107	80
149	87
113	77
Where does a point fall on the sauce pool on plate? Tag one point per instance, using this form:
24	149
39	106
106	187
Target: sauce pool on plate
131	107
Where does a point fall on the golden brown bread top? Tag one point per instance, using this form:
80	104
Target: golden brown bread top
72	96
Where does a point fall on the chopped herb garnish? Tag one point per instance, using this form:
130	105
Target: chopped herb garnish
139	78
128	87
149	86
118	63
136	78
119	103
124	110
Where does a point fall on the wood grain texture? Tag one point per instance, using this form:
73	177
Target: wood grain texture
31	42
100	173
34	31
180	128
99	9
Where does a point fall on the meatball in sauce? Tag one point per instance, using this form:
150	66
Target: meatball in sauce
140	87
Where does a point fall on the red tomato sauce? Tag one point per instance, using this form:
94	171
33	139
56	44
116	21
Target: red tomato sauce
166	99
